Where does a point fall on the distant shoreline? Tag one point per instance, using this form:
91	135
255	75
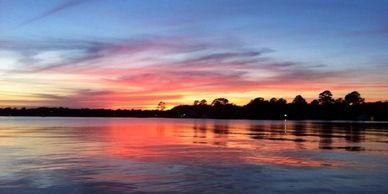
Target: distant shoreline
259	111
226	119
351	108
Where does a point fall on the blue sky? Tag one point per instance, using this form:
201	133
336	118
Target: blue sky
301	47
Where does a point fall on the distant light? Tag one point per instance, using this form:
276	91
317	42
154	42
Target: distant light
285	115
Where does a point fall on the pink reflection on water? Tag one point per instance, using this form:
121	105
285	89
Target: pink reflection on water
209	142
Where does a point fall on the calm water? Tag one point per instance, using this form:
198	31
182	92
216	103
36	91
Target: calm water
115	155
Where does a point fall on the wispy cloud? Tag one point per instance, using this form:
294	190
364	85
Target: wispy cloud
63	6
139	72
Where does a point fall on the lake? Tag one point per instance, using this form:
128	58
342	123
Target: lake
137	155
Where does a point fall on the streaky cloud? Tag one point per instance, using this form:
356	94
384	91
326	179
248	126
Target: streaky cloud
63	6
110	73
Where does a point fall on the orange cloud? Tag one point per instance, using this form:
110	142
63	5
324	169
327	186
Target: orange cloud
138	73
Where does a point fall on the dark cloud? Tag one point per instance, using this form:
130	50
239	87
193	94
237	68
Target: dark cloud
94	50
225	58
174	67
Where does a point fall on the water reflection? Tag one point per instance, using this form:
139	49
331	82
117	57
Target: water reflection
94	155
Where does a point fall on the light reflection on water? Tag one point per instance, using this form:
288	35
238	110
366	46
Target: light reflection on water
116	155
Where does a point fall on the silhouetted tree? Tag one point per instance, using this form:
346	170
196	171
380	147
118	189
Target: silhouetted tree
220	101
354	98
257	101
299	100
203	102
339	101
161	106
278	101
196	102
281	101
314	102
326	97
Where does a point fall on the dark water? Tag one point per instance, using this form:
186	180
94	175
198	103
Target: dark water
113	155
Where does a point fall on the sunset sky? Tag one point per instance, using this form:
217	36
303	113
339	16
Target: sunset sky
133	54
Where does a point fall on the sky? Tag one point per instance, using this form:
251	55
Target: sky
134	53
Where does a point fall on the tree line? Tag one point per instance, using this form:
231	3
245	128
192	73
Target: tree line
351	107
325	107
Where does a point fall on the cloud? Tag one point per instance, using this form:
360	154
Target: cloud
140	71
134	50
220	57
63	6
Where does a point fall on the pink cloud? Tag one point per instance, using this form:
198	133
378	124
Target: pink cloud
141	72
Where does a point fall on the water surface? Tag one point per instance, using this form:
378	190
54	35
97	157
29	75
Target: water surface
132	155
